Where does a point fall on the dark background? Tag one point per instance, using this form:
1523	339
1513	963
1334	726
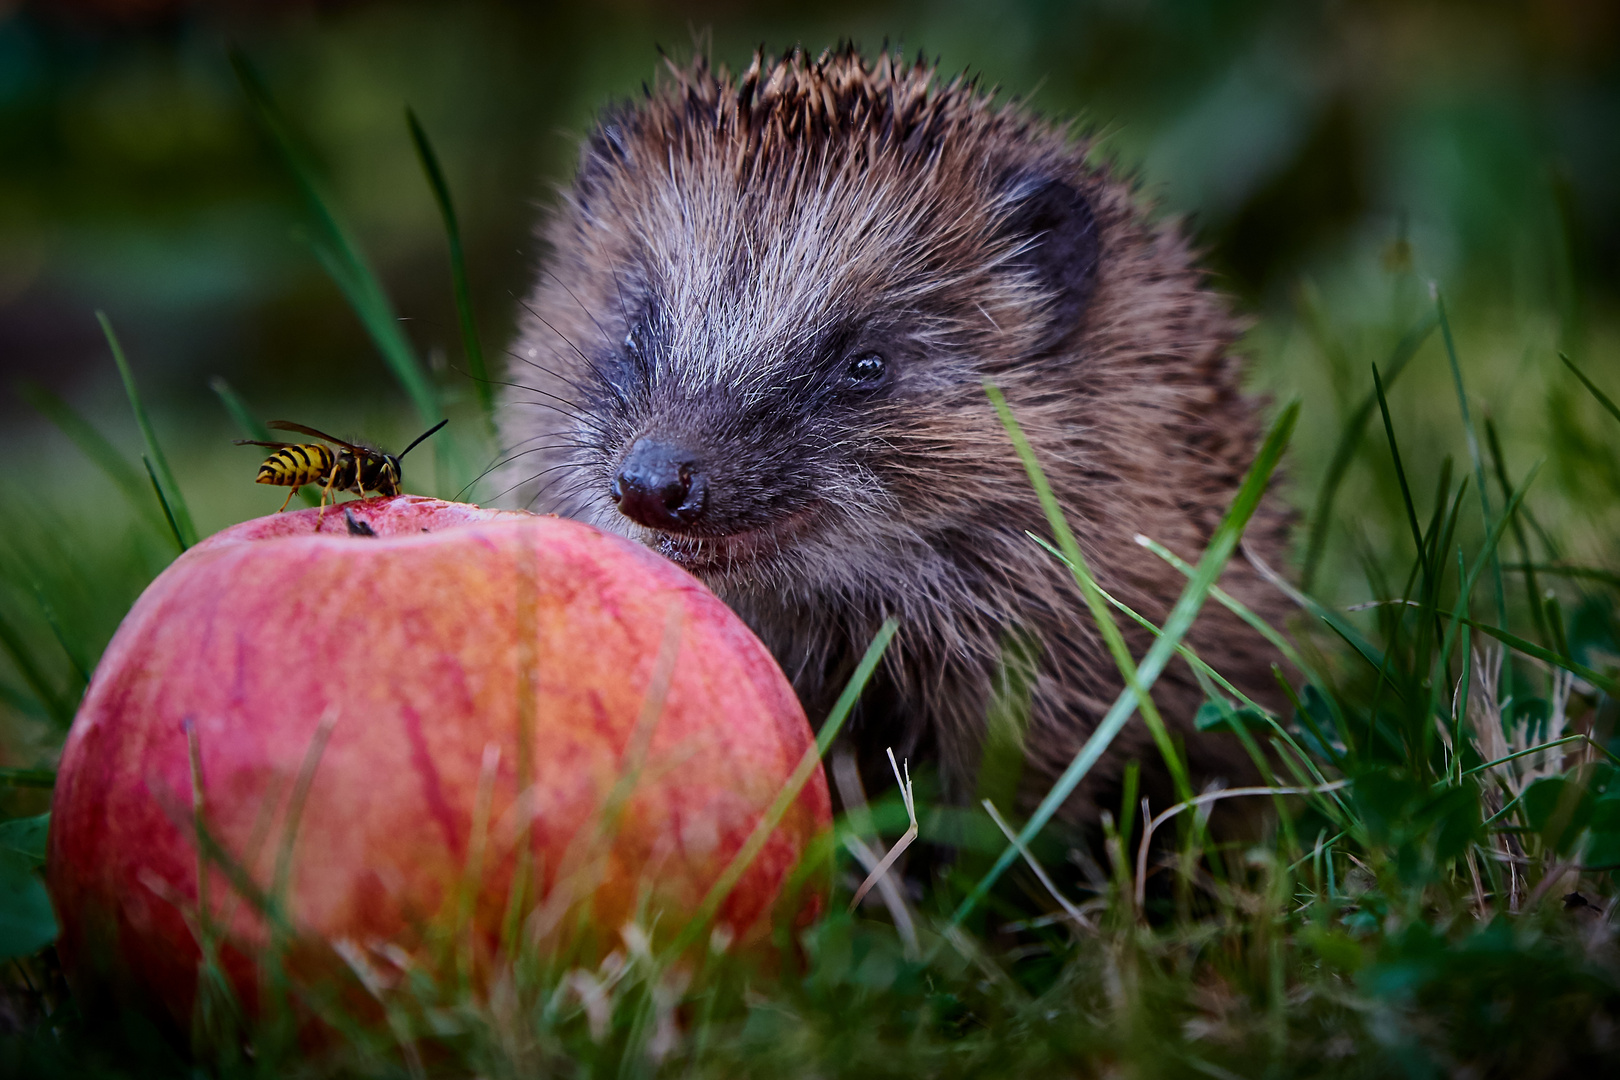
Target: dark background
1334	158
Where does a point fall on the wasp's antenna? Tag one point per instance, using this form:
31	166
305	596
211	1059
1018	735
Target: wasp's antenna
422	436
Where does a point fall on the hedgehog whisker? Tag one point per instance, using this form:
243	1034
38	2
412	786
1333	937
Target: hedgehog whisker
562	496
607	340
509	460
532	478
551	372
589	363
569	402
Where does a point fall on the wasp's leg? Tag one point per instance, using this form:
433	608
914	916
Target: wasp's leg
326	493
290	493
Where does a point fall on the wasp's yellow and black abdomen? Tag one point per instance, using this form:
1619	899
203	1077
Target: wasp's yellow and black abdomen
295	466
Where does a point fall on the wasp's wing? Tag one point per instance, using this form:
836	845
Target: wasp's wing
256	442
288	425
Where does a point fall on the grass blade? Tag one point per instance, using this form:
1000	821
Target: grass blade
254	428
174	526
281	875
58	631
1603	682
1091	592
857	683
458	265
21	702
14	646
1349	441
1487	555
1441	533
94	446
338	253
1603	399
1459	707
1183	650
1400	472
1238	608
174	503
251	425
801	774
30	778
1532	590
1472	438
1221	545
1353	637
1516	755
1427	571
1210	679
1283	646
1579	573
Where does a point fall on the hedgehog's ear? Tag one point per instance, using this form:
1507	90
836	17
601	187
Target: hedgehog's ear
1055	233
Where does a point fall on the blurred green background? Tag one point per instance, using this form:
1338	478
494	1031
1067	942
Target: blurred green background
1334	159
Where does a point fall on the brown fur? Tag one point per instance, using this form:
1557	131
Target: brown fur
724	237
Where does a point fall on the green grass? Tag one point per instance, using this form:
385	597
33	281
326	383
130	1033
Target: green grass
1445	779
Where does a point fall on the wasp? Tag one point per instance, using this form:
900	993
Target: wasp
342	466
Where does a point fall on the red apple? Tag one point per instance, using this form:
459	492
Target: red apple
463	695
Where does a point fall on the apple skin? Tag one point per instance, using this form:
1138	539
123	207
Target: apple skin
457	651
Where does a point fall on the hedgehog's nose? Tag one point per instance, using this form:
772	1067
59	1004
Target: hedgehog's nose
660	486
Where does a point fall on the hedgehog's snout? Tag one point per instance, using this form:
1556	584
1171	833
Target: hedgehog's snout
660	485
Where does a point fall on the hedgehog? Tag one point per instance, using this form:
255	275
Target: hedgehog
759	343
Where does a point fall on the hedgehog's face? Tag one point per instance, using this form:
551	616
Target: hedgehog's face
722	465
766	375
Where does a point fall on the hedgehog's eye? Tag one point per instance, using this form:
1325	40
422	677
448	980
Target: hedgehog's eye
637	349
866	370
